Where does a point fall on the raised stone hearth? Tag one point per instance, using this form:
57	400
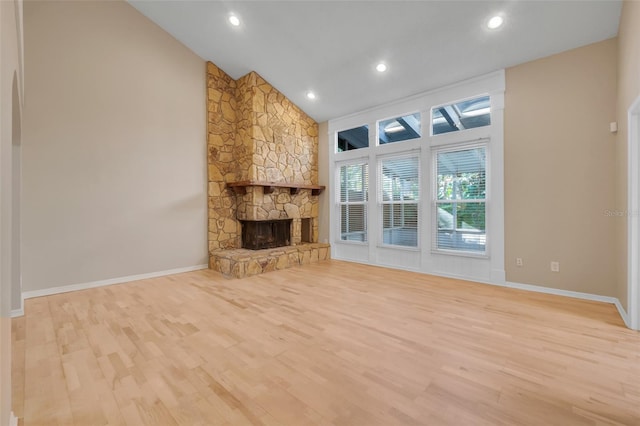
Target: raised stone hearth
240	263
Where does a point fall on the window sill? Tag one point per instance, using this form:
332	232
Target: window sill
461	254
352	242
396	247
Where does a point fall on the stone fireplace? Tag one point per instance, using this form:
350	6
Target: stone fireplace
262	166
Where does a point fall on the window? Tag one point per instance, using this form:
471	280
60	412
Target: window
436	202
355	138
399	129
460	203
354	194
461	115
399	194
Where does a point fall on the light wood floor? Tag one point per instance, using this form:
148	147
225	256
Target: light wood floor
328	344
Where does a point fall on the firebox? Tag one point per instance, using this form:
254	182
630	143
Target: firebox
262	234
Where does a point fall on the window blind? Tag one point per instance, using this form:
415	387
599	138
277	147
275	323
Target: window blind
399	196
353	197
460	204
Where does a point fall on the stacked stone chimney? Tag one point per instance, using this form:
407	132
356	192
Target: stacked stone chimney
255	134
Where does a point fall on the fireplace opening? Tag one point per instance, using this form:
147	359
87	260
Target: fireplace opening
306	230
262	234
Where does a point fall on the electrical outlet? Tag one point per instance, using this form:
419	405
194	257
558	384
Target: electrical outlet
555	266
519	261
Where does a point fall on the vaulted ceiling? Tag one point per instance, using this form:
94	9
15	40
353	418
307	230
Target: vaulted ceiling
333	47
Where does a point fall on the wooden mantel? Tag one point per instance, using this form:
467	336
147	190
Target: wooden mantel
268	187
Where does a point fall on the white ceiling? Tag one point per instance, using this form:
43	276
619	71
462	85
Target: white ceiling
332	47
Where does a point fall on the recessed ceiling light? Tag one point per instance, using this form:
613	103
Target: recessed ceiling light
381	67
311	95
495	22
234	20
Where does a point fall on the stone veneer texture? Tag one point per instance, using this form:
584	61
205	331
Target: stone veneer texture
242	263
222	147
256	134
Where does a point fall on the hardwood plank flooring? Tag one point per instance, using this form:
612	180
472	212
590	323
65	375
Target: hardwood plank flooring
333	343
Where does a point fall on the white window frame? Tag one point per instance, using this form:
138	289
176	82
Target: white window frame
453	147
403	142
338	203
489	268
418	203
352	153
456	134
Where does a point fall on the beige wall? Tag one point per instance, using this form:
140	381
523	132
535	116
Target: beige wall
628	91
10	110
114	146
560	170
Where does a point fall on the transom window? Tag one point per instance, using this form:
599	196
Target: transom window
399	129
355	138
461	115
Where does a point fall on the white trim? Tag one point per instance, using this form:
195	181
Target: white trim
20	311
560	292
500	283
633	219
380	203
518	286
539	289
13	420
441	95
623	313
461	145
477	268
101	283
574	294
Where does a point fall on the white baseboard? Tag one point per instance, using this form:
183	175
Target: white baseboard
17	313
13	420
559	292
623	313
20	311
120	280
102	283
526	287
575	294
